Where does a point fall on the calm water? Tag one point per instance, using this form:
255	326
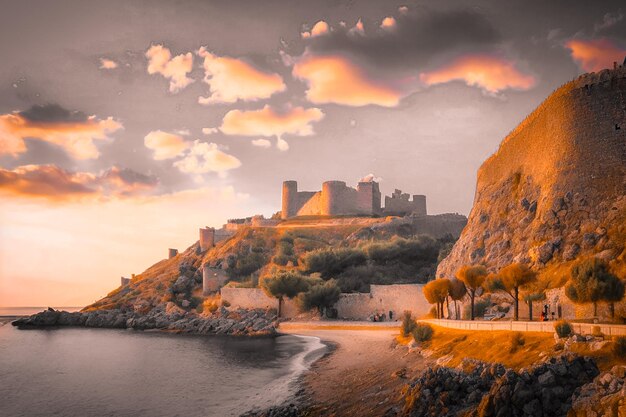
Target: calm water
105	372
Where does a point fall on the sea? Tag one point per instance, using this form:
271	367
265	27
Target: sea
74	372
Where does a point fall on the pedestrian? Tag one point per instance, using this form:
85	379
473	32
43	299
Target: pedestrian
390	315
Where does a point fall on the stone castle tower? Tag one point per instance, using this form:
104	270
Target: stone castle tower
335	199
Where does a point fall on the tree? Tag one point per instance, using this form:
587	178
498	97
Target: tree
437	292
509	280
591	282
473	276
322	296
531	296
613	292
457	292
285	284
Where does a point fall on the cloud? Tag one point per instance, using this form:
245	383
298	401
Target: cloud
388	23
268	122
370	178
418	35
165	145
261	143
595	55
282	145
319	29
335	79
490	73
358	29
232	79
209	130
175	69
56	184
74	132
206	157
107	64
608	20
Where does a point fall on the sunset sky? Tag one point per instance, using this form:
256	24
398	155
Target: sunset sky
127	125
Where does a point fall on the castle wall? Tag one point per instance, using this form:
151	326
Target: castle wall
124	281
172	253
359	306
439	225
312	205
400	204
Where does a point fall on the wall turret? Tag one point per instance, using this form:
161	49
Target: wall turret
290	197
207	238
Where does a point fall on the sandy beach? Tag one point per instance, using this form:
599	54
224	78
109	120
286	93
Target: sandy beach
358	377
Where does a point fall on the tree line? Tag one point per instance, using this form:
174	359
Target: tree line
590	281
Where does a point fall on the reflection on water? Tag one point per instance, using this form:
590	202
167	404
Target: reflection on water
102	372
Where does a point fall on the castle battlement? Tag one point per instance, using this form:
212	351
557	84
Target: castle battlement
338	199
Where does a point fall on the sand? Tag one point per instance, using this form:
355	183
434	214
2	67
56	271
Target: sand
357	379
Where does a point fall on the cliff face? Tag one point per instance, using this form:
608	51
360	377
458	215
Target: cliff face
555	189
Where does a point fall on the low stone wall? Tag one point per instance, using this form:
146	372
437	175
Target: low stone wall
396	298
527	326
251	298
359	306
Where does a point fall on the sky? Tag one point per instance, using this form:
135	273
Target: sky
126	126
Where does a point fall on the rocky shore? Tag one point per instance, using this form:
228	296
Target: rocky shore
166	317
568	385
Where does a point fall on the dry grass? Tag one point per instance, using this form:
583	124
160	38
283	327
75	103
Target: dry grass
489	346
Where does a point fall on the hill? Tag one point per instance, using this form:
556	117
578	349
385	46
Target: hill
355	251
554	192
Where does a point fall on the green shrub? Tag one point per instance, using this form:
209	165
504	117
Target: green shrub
322	296
563	328
479	308
331	262
515	341
422	332
619	348
408	324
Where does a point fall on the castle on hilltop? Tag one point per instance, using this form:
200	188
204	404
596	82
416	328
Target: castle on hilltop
338	199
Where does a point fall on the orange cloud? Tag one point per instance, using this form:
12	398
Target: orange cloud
595	55
490	73
165	145
207	157
76	137
319	29
56	184
268	122
231	79
334	79
388	23
175	69
107	63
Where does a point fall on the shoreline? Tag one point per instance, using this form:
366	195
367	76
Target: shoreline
361	373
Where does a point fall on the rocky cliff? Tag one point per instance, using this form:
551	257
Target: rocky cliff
555	189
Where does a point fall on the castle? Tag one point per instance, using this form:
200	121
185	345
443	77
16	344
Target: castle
338	199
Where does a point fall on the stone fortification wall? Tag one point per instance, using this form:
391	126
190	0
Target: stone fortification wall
381	299
440	225
401	204
207	238
250	298
335	199
212	279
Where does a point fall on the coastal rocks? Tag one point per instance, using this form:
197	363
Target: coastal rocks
491	390
605	396
286	410
446	391
167	317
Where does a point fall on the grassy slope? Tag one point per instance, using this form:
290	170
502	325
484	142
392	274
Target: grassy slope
151	286
454	345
